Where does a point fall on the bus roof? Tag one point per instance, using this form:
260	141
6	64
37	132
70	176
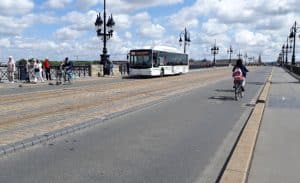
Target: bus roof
162	48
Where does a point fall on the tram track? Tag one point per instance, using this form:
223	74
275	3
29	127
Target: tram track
24	116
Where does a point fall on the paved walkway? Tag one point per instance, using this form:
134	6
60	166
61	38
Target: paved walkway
276	157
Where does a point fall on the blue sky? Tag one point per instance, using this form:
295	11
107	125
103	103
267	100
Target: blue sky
59	28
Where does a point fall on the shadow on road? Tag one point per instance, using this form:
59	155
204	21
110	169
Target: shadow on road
293	82
225	90
137	77
224	98
254	83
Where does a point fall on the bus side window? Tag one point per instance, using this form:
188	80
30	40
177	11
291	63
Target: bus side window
155	60
161	60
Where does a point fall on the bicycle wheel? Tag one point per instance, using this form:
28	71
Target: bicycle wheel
236	94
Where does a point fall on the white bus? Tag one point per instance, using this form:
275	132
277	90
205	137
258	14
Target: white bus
157	61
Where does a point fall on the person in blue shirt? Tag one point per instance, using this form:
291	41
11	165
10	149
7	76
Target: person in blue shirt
68	68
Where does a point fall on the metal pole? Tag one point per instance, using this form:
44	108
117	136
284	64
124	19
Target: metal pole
230	56
282	55
295	31
185	39
286	50
214	52
104	36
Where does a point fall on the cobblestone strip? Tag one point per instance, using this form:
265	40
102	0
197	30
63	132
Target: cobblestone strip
90	104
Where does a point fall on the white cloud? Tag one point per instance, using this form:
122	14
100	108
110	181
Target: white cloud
12	26
5	42
81	21
57	3
213	27
246	37
15	7
128	35
84	4
67	34
131	5
123	21
152	30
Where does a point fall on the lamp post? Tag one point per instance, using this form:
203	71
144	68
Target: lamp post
293	33
280	60
230	51
286	49
239	55
245	56
104	35
282	54
186	39
214	51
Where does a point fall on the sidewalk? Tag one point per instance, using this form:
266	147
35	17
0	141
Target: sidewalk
7	85
277	153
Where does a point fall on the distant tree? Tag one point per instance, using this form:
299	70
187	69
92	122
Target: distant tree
21	62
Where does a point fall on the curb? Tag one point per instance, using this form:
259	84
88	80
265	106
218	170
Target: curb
237	168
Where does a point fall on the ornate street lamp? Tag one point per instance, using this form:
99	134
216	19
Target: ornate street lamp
230	51
280	60
186	39
245	56
214	51
104	32
283	52
293	32
286	49
239	55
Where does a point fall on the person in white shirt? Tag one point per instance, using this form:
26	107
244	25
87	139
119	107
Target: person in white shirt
11	69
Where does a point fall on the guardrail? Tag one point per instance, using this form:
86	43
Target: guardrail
293	68
20	74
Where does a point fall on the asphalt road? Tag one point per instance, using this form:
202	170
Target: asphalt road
184	139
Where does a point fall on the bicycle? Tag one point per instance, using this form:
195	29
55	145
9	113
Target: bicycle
238	91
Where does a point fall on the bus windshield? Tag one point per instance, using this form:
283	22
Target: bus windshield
140	59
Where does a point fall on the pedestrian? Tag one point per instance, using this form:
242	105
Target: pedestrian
127	67
68	69
37	71
111	68
11	69
46	65
59	73
40	65
27	71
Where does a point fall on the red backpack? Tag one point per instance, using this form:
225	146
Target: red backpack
237	74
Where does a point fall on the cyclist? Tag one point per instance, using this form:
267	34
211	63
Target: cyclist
240	72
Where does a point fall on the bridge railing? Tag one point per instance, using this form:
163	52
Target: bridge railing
20	74
293	68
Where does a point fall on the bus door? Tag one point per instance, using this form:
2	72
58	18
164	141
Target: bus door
161	60
155	60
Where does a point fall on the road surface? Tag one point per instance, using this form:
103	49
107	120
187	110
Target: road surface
185	138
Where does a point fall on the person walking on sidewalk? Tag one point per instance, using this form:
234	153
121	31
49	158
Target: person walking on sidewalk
37	65
68	69
11	69
59	73
27	71
46	65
